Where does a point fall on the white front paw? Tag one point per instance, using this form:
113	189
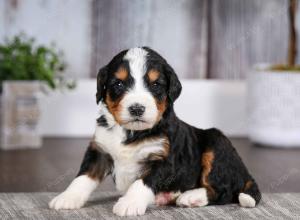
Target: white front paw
67	200
127	206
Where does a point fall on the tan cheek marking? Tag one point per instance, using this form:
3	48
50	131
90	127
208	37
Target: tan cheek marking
161	107
114	107
153	75
121	74
206	163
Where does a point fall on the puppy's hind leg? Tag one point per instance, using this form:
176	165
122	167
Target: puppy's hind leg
250	195
193	198
95	166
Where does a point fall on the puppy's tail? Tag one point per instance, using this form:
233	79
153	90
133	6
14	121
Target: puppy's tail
250	195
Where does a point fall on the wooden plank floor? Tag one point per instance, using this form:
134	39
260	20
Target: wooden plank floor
52	167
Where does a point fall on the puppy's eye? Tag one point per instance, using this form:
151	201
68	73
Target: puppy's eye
155	84
119	84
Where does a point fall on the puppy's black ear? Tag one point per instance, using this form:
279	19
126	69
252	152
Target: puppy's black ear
174	84
101	84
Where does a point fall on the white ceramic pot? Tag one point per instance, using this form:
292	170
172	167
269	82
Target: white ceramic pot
274	107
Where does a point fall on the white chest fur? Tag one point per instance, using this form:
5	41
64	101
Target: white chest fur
126	158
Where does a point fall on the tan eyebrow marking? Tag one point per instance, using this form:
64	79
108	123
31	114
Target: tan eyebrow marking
153	75
121	73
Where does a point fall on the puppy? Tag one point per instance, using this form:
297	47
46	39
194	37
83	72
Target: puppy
152	155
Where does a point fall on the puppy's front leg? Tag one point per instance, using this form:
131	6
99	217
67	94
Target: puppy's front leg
135	201
95	166
75	196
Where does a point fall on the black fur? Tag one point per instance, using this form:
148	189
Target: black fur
101	84
181	169
106	83
158	62
96	164
101	121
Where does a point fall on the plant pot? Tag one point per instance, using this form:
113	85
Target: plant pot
20	114
274	107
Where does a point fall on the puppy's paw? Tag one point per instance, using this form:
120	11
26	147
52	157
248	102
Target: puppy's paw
246	200
68	200
193	198
127	206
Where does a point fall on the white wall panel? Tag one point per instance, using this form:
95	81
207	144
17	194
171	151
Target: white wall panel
203	103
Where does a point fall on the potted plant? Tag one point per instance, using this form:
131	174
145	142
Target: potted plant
24	69
274	97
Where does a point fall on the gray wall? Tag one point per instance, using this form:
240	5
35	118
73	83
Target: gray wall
243	33
176	29
208	38
200	38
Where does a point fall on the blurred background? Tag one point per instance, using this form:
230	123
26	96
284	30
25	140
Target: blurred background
201	39
223	51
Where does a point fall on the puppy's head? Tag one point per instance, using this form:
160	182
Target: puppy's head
137	86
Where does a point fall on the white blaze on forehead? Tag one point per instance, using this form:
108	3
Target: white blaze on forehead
137	63
139	93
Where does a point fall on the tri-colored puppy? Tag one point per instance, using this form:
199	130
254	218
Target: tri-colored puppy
153	155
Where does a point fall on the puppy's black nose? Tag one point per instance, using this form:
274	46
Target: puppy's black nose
136	110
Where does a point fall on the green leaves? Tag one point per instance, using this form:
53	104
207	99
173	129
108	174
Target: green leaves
21	59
